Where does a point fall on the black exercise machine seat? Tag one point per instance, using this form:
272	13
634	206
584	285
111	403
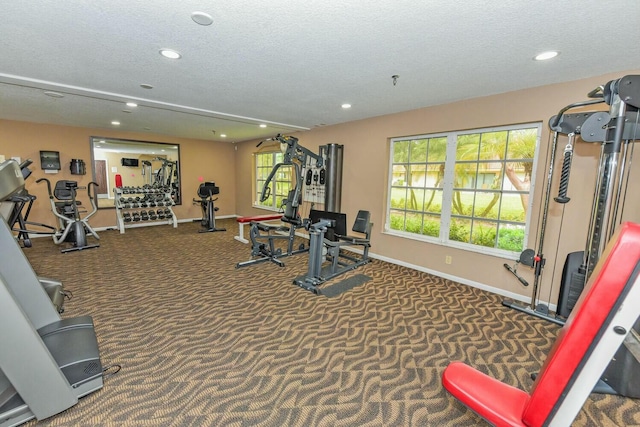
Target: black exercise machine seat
63	192
208	189
361	225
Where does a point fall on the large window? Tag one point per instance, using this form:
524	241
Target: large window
470	189
280	184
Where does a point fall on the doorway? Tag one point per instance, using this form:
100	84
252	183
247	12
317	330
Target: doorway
100	168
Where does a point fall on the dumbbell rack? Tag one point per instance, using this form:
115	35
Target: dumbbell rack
143	205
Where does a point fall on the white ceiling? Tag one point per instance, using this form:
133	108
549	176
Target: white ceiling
291	64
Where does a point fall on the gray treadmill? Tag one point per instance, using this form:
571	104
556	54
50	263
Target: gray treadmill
46	363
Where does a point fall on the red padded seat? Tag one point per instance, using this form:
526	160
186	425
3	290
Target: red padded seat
470	385
584	347
245	219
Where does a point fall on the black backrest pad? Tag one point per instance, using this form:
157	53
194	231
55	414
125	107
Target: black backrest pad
62	189
208	189
291	212
361	223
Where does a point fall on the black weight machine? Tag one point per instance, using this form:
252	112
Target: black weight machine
264	236
616	130
72	227
327	238
206	191
164	177
609	129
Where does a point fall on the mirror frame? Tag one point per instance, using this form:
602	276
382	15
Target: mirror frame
130	148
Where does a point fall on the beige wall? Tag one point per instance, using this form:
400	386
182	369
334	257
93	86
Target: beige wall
206	160
365	178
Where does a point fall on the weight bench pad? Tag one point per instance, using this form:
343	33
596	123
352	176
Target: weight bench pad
480	392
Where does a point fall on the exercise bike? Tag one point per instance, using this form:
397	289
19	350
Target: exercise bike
72	227
206	191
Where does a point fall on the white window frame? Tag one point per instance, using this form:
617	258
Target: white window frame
258	186
448	182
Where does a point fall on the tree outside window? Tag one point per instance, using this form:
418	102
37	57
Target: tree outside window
468	187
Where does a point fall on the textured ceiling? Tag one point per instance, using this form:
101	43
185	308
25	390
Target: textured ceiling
291	64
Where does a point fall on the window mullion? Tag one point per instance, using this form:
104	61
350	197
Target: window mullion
447	187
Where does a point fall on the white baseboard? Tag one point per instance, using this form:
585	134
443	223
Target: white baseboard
472	283
142	224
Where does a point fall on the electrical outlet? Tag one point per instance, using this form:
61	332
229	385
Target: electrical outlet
447	259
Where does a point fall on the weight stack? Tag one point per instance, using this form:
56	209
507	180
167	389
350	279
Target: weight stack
333	183
573	280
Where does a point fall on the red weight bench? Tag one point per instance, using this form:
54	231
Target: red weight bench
595	329
249	219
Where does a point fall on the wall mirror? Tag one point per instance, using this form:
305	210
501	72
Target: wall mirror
135	164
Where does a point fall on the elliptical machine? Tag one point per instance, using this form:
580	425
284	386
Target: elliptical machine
72	227
18	221
206	191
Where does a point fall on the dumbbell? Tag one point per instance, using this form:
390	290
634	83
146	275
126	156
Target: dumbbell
126	217
160	214
136	216
167	213
152	215
144	215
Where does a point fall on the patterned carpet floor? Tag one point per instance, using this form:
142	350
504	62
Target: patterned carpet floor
202	343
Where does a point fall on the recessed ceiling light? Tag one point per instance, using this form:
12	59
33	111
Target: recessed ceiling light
146	86
115	123
202	18
223	135
345	106
546	55
171	54
53	94
131	104
262	125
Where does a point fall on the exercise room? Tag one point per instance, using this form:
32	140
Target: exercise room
320	214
